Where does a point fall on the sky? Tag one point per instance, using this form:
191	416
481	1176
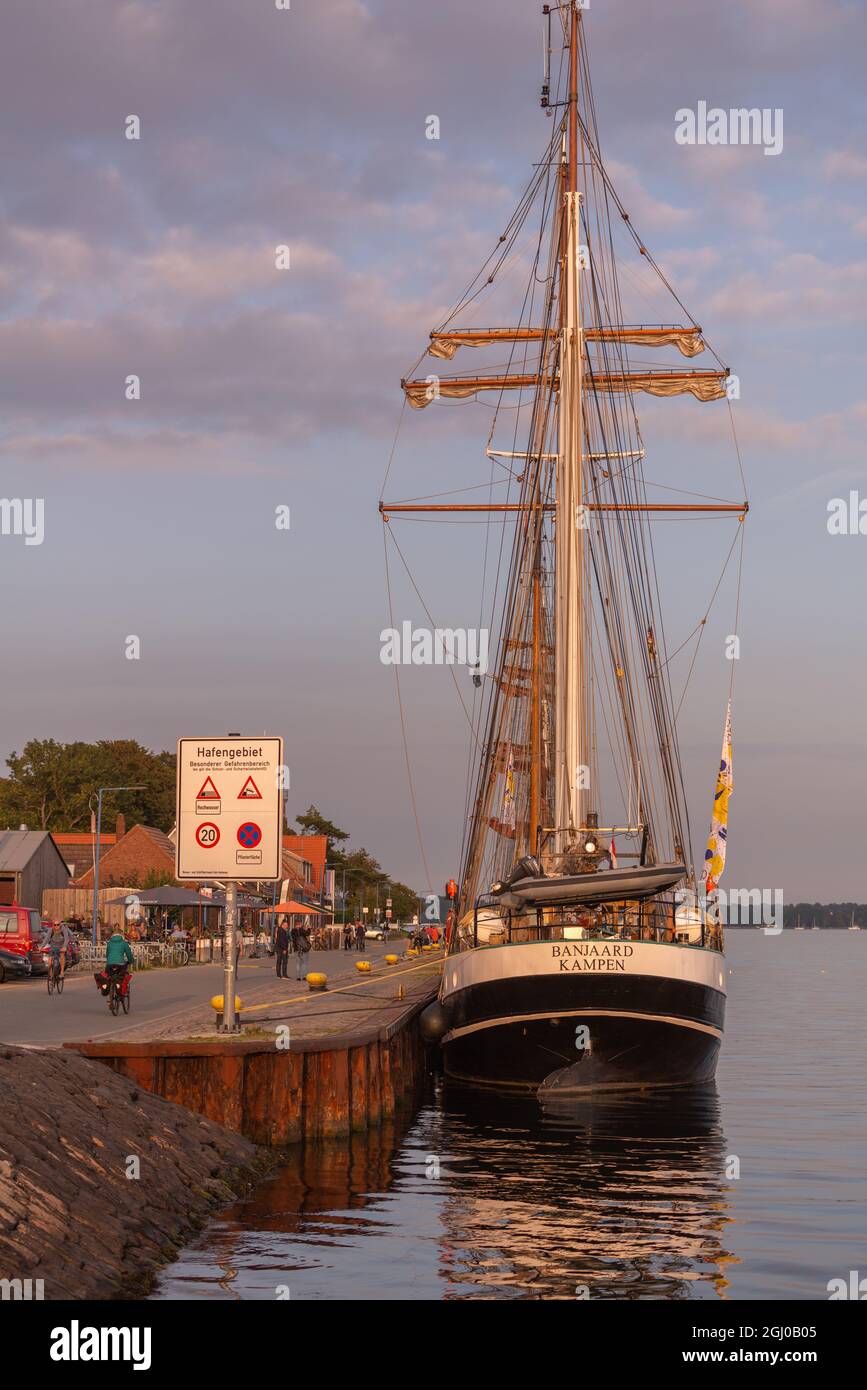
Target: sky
264	388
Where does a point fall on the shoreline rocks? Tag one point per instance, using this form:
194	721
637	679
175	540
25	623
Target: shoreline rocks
101	1182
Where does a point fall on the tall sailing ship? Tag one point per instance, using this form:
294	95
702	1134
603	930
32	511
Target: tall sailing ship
584	951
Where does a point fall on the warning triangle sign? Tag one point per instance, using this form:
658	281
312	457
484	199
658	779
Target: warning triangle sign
208	791
249	791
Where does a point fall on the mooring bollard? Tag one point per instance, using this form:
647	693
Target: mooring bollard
217	1006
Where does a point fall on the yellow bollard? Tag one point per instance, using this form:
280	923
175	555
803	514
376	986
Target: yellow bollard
217	1004
391	960
316	980
363	966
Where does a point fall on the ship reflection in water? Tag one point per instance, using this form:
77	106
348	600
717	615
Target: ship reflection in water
485	1197
612	1198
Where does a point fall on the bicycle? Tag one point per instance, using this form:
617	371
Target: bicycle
55	978
118	996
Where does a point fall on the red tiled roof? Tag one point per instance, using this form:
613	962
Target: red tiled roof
75	837
160	838
313	848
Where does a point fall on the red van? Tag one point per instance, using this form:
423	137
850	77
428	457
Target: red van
21	934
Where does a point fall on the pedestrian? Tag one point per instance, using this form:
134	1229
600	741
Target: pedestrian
347	937
282	950
303	948
360	940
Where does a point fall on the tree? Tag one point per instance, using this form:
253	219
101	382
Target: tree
53	786
366	882
312	822
404	902
157	878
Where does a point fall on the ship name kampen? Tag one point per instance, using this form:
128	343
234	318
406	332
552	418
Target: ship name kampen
592	955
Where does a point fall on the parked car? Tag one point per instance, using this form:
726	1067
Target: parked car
12	966
382	933
21	936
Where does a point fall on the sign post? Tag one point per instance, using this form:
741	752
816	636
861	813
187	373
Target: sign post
229	826
229	971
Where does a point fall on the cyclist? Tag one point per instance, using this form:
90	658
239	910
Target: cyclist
56	940
118	955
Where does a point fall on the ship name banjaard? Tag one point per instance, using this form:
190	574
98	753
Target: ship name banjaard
592	955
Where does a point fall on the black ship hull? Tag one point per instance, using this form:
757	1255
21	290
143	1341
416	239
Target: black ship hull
575	1031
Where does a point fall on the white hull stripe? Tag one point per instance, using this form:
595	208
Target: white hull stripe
621	959
578	1013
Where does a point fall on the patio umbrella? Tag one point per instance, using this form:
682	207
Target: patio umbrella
293	907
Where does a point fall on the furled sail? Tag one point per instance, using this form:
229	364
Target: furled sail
703	385
688	341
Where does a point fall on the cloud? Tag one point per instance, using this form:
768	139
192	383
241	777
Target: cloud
844	164
799	285
647	210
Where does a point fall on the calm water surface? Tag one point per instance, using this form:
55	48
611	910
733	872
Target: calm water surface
630	1199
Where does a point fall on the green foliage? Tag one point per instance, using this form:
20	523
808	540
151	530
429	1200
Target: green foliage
404	902
365	880
52	786
157	879
829	916
312	822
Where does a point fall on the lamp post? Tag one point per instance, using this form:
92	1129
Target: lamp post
342	868
139	787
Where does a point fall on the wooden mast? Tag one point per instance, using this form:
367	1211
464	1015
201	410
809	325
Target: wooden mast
569	580
535	710
572	184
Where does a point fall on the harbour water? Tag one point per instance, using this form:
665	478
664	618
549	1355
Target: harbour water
754	1189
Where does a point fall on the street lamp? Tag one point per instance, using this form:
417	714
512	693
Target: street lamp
334	868
139	787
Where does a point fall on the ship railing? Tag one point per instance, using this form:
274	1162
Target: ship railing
652	920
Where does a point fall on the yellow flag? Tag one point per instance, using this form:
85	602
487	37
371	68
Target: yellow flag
715	854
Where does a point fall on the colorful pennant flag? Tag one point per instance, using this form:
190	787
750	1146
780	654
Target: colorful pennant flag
715	854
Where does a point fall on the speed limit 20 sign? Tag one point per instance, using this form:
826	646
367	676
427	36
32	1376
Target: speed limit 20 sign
229	808
207	835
